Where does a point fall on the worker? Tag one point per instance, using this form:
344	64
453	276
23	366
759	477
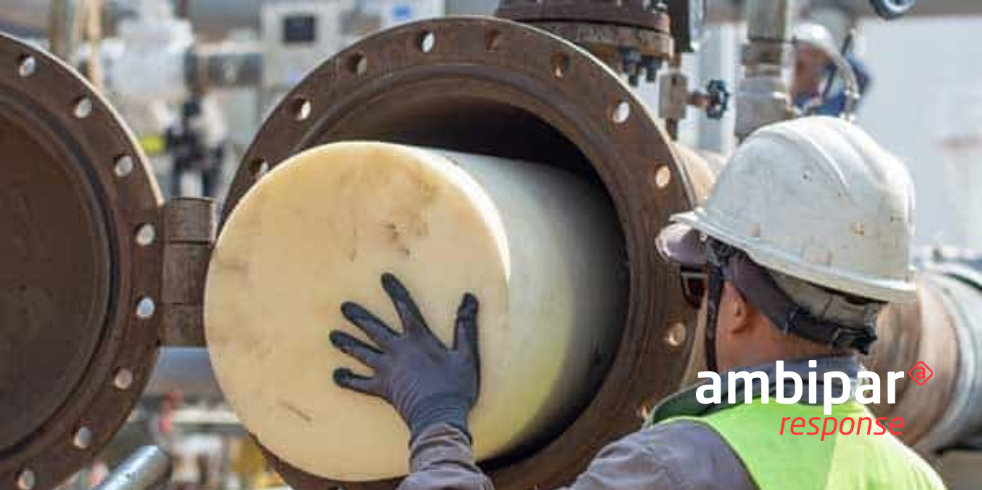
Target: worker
196	141
813	88
802	241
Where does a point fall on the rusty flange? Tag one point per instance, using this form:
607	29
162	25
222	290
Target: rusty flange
496	87
79	270
632	36
636	13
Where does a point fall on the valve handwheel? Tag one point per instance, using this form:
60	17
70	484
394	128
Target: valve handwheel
892	9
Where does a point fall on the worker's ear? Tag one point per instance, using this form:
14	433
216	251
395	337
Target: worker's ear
736	307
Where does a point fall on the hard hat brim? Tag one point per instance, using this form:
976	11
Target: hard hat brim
881	289
682	244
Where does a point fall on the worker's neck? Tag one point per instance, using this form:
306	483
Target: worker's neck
768	344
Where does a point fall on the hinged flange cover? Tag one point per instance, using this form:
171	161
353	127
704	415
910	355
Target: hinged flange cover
79	270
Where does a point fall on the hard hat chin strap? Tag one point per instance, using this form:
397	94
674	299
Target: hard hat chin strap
717	255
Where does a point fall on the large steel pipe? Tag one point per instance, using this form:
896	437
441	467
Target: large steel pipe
539	247
920	331
496	88
944	331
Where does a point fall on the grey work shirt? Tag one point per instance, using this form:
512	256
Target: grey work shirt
681	455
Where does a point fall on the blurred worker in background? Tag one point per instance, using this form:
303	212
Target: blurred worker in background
196	143
815	86
794	270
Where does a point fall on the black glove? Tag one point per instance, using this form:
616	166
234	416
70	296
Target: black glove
414	371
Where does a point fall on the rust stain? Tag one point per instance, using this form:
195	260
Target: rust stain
419	227
234	264
296	411
354	242
393	232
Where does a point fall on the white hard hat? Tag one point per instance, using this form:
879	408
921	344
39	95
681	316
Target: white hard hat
816	199
816	35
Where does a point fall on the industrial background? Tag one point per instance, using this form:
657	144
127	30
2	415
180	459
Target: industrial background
135	127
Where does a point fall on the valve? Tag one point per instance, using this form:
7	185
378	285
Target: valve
719	99
892	9
714	99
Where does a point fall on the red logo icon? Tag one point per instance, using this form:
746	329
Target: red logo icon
920	373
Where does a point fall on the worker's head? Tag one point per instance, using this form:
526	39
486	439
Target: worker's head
803	239
810	70
761	314
812	44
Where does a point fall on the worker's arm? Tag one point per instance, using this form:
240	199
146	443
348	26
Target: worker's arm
434	388
679	455
441	459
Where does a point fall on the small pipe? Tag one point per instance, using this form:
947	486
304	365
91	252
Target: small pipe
768	20
93	32
672	124
223	66
62	35
148	468
762	96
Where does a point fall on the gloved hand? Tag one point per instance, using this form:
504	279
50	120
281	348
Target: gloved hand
426	382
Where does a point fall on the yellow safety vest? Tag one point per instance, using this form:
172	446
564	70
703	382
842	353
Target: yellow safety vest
803	462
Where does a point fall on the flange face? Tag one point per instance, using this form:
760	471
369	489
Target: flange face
491	86
58	238
76	195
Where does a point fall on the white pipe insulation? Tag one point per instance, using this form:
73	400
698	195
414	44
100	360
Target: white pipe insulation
541	249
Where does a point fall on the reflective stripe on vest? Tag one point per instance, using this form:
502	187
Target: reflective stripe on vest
805	462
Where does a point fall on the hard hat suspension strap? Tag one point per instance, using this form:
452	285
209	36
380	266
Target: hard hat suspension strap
800	322
717	254
725	263
760	290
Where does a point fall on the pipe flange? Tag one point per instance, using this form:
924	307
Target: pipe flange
496	87
765	52
635	13
633	37
605	40
79	270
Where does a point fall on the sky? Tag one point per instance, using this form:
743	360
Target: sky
926	107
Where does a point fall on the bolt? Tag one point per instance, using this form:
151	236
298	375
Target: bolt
631	60
83	438
26	480
123	379
27	67
651	67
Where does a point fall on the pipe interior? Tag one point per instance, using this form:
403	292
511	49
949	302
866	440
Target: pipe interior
471	125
